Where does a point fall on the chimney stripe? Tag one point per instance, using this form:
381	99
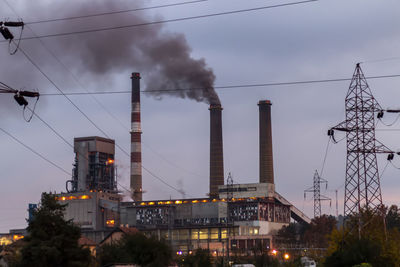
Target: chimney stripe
136	146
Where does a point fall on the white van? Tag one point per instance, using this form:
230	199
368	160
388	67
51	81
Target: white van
308	262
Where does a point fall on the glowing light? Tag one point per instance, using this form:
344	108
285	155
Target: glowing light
178	202
110	222
143	204
274	252
286	256
17	237
110	161
151	203
179	252
195	201
85	197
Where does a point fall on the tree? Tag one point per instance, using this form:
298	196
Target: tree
200	258
316	235
138	249
393	218
371	243
51	240
291	235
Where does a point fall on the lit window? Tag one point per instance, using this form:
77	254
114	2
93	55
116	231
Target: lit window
224	233
110	223
204	234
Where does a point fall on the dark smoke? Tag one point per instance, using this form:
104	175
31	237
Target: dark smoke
163	58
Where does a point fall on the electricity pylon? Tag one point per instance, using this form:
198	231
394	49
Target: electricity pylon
362	185
316	189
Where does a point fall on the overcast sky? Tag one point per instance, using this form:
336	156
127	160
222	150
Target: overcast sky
311	41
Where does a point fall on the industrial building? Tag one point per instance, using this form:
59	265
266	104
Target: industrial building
235	217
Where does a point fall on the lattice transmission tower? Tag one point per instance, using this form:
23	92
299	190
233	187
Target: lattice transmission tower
316	189
362	184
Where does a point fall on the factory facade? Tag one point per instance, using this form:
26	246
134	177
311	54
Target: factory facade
235	217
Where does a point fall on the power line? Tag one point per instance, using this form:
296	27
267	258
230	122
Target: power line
115	12
84	114
35	152
161	180
228	86
166	21
326	155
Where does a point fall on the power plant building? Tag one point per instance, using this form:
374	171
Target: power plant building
237	217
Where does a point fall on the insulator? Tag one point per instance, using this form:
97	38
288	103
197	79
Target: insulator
6	33
29	94
380	114
330	132
390	156
14	23
20	100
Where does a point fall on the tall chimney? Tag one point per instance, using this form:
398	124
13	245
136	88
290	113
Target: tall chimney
216	150
266	160
136	145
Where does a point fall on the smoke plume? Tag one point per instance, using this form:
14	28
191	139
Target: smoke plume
163	58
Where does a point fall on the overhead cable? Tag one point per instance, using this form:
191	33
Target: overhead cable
115	12
86	116
35	152
166	20
227	86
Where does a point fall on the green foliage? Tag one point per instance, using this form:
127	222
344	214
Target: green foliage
51	240
393	218
137	249
317	233
200	258
292	234
369	244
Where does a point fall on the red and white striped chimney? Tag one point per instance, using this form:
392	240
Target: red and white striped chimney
136	145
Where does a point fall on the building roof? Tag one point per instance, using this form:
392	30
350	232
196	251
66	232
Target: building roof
84	241
123	229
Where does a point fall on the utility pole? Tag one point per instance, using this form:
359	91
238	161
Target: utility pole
229	220
337	206
362	184
316	189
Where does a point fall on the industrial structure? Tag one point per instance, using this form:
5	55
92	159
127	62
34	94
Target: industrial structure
316	190
362	185
94	165
234	217
136	141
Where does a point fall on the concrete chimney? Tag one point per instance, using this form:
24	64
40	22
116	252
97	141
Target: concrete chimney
216	150
266	159
136	139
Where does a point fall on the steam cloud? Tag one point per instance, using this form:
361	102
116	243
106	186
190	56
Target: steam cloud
164	58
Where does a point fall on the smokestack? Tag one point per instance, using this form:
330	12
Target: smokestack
266	160
136	145
216	150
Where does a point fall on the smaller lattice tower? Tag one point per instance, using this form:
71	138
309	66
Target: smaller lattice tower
316	189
